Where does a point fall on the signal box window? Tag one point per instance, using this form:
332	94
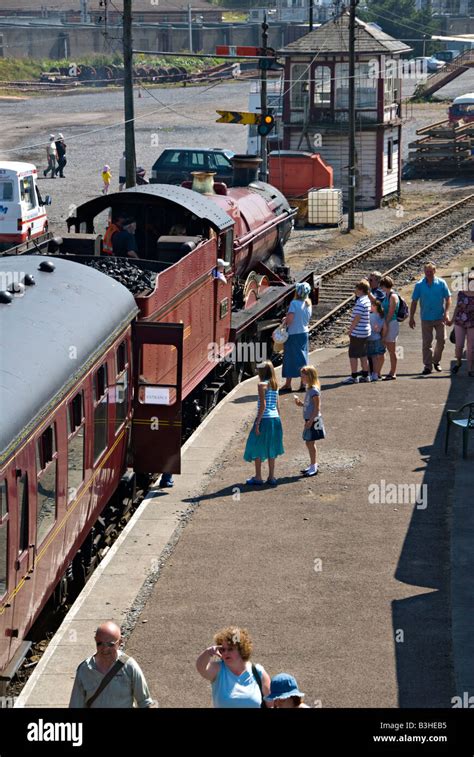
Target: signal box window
23	504
159	375
100	411
46	454
75	445
390	155
3	537
121	386
322	86
299	85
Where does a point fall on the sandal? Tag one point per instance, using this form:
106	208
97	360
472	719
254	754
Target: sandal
271	481
254	481
455	368
389	377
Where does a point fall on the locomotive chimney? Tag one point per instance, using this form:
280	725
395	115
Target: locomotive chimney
203	182
245	169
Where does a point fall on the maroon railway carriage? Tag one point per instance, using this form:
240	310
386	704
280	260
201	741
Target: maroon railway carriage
66	406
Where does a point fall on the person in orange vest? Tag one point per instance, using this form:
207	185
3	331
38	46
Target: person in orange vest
114	226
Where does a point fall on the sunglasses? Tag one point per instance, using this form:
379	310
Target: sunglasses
106	643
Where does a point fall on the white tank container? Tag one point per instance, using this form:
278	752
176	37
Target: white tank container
325	207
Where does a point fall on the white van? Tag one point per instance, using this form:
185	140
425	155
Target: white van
22	209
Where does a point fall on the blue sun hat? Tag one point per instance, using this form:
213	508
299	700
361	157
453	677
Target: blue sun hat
283	686
303	289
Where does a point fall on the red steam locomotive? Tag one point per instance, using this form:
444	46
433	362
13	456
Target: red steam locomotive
95	381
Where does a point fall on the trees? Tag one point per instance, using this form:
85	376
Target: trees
402	20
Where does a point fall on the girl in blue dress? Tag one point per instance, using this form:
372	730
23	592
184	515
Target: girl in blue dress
265	441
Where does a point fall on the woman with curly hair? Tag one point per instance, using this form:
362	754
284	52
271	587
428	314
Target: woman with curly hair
235	680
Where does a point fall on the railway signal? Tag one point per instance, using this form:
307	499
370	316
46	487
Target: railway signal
265	125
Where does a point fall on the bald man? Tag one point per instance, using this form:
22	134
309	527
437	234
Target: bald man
125	687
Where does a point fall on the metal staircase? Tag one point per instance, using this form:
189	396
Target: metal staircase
458	66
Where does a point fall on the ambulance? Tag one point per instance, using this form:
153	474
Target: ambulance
22	209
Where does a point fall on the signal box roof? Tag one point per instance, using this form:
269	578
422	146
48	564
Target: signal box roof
333	37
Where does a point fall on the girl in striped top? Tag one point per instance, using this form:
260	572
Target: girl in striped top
265	441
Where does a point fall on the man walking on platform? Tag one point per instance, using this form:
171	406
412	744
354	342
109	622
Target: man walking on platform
435	301
109	678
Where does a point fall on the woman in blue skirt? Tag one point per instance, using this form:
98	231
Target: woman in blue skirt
295	355
265	440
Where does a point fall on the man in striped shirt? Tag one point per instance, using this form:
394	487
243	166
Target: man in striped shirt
359	332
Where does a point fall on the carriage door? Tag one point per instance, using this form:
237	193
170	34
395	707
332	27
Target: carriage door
157	378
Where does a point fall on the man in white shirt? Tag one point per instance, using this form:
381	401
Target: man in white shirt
51	154
126	686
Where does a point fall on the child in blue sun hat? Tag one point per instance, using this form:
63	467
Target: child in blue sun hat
284	692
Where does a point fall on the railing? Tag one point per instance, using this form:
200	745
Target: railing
449	72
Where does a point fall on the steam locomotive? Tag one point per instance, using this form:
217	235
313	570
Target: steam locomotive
97	382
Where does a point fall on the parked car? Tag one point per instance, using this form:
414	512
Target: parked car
175	164
432	64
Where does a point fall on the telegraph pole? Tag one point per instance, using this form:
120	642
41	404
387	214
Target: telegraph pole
190	28
263	101
128	94
352	119
311	12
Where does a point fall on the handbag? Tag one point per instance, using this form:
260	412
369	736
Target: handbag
317	432
118	665
280	335
452	336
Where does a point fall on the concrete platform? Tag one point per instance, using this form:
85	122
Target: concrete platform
369	604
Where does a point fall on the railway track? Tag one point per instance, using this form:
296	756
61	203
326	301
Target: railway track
399	252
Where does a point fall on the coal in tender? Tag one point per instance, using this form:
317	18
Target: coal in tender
131	276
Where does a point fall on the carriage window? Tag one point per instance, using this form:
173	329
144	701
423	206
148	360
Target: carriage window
121	357
27	192
6	191
100	411
23	504
121	386
75	449
3	537
46	491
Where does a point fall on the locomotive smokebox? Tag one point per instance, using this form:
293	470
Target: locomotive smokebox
246	169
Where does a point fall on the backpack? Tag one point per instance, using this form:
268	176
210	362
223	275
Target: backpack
402	309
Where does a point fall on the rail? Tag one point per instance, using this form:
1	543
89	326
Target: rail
337	283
